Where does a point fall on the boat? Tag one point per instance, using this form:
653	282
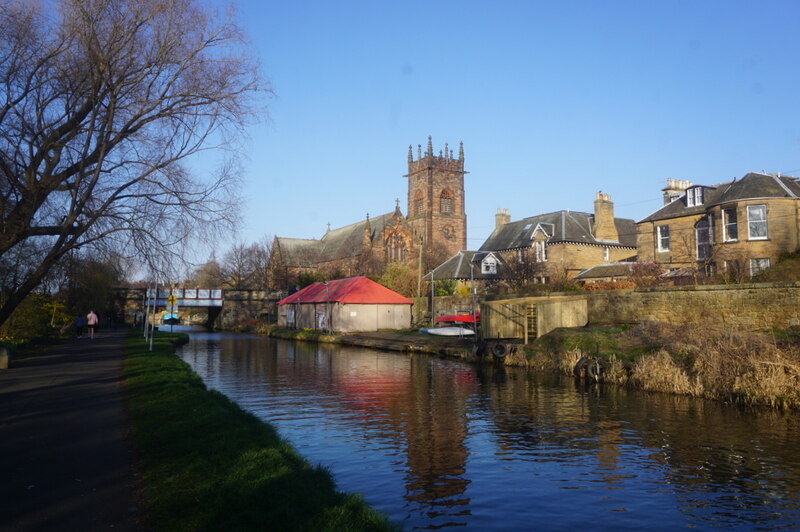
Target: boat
449	331
459	319
170	319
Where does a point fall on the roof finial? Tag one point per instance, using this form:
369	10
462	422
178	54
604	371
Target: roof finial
410	156
430	146
397	203
329	226
446	150
419	151
461	151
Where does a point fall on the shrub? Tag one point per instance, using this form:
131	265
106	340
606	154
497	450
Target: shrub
610	285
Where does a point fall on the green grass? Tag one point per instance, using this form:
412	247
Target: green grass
208	465
599	341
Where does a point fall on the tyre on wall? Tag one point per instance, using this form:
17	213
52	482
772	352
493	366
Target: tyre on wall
591	368
499	350
579	368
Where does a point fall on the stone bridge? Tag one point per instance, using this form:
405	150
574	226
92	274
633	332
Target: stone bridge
210	307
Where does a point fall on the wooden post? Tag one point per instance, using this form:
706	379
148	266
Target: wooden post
525	318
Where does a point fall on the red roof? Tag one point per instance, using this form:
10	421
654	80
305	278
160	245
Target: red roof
352	290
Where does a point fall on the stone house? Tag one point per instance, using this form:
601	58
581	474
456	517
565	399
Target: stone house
561	244
734	229
478	266
435	226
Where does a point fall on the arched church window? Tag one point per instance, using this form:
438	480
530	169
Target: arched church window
418	202
396	249
446	202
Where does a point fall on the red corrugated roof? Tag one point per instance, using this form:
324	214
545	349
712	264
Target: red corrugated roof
352	290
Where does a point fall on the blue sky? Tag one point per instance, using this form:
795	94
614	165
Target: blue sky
552	100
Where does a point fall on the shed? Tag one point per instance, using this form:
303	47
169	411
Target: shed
531	317
356	304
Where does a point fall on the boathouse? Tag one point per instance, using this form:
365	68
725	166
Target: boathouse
356	304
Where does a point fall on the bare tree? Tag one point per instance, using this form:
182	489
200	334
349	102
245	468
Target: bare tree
101	104
244	267
522	269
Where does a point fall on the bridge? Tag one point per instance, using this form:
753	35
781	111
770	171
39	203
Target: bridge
185	297
214	307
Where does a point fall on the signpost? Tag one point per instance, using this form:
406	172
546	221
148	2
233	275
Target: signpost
172	309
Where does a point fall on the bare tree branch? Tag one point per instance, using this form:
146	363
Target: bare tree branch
102	106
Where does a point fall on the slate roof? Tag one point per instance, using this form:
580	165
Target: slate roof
751	186
561	226
616	269
457	267
344	242
352	290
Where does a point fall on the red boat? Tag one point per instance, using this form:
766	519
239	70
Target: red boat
459	319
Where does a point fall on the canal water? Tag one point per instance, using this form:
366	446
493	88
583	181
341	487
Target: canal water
440	444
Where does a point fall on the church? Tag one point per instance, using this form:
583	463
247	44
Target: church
434	228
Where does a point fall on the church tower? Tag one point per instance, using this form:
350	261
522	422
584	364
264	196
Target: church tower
436	201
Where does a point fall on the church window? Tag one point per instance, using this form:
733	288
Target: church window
446	202
396	249
418	202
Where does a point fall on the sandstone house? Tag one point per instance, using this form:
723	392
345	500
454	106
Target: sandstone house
734	229
561	244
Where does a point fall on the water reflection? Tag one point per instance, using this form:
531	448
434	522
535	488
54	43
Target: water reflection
436	443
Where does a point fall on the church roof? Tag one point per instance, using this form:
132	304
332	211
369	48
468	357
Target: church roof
360	290
335	244
559	226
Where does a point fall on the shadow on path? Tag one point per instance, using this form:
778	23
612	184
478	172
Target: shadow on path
65	457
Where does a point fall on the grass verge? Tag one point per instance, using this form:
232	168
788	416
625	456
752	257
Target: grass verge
209	465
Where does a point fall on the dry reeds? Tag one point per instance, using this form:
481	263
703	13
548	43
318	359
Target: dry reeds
743	367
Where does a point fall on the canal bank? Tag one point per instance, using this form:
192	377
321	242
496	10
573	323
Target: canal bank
403	341
750	368
207	464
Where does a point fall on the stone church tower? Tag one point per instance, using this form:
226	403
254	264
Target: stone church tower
436	201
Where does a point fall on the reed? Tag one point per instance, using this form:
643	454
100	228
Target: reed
741	367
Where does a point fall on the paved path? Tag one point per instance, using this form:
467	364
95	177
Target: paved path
65	460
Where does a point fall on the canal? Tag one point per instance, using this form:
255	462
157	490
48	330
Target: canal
436	443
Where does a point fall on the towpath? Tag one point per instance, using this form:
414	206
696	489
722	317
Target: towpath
65	457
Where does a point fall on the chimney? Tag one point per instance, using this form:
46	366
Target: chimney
604	226
501	218
674	189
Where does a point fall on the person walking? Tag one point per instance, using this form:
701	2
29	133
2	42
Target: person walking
80	323
91	322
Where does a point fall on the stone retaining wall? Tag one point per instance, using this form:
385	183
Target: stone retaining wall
746	307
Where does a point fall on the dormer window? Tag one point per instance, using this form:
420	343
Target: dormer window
489	265
694	196
546	229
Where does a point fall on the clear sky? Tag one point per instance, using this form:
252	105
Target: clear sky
553	101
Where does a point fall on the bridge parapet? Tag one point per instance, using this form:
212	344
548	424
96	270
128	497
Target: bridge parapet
187	297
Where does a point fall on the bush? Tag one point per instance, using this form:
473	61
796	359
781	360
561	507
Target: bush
610	285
